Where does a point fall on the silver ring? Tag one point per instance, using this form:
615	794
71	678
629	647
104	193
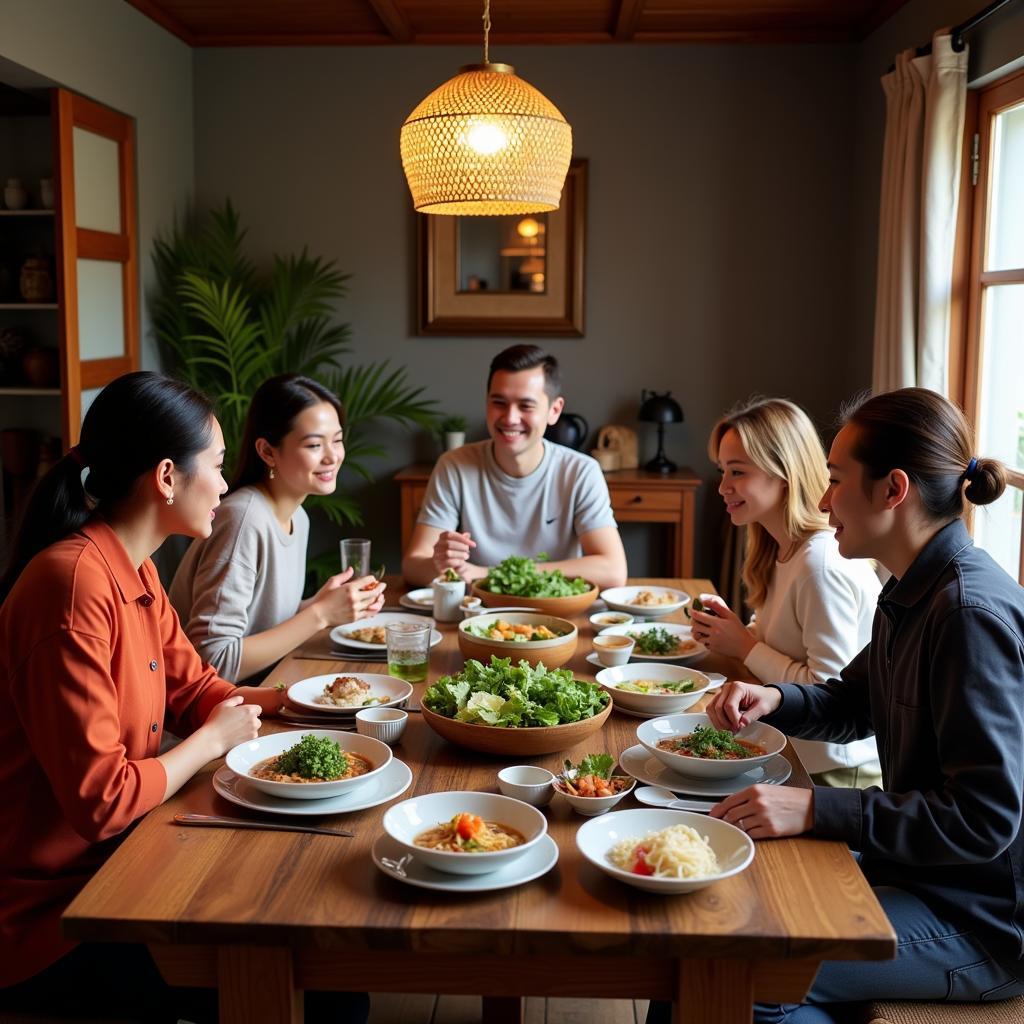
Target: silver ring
741	825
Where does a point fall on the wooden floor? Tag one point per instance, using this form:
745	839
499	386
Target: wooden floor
421	1009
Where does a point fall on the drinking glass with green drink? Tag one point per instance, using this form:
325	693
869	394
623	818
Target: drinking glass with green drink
408	650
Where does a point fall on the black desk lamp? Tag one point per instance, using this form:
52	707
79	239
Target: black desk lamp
661	408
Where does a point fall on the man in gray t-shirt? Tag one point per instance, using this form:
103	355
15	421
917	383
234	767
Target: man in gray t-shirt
517	494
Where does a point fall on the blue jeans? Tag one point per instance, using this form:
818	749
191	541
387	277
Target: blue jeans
934	960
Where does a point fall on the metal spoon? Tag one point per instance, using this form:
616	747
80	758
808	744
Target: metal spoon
655	796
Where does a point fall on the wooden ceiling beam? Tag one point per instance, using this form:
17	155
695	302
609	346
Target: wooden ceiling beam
155	12
394	20
628	19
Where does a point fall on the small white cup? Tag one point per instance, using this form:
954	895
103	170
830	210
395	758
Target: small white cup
448	599
528	783
384	724
611	650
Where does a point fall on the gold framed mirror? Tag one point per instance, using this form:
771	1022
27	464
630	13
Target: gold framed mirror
520	274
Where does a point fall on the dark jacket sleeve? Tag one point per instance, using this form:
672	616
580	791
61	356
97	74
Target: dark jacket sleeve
974	811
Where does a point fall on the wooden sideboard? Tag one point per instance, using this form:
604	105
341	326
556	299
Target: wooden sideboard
637	497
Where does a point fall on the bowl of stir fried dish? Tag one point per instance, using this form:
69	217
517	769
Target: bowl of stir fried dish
691	745
309	764
526	636
653	689
524	581
465	833
591	787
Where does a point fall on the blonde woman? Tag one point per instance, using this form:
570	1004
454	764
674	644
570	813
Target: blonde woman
813	608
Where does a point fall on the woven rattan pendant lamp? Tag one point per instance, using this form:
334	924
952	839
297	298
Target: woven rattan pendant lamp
486	143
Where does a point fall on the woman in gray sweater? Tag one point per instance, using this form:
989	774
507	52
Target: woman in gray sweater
238	593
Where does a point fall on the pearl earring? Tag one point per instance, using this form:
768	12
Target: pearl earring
170	498
271	472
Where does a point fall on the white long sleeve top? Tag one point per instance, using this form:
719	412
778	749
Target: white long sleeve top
816	618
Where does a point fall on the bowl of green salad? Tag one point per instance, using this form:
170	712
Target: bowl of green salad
503	707
524	581
527	636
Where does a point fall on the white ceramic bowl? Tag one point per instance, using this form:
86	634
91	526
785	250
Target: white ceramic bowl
528	783
653	703
384	724
623	599
470	606
691	649
733	848
602	620
591	806
406	820
614	652
242	758
306	692
649	733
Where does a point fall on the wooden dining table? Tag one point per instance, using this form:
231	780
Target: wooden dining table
265	915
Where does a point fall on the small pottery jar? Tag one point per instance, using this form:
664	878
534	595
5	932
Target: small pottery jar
15	195
41	367
448	595
35	283
46	196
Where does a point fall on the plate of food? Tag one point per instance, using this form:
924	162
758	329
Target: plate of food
592	787
519	709
530	636
665	851
660	641
349	692
645	767
653	689
310	764
651	602
421	600
519	580
369	634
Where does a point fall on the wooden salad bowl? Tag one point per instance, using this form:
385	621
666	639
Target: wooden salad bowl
551	653
565	607
524	742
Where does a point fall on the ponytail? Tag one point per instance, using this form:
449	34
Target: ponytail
135	422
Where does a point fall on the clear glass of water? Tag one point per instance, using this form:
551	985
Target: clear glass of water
355	552
408	650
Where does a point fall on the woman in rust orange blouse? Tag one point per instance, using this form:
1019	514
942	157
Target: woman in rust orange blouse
92	663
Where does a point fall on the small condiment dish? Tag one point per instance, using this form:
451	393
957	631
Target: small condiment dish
384	724
602	620
591	806
471	606
613	649
528	783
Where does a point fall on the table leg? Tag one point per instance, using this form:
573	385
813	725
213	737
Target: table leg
715	992
257	986
503	1010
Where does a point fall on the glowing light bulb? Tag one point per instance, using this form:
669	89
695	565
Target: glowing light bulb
528	228
486	138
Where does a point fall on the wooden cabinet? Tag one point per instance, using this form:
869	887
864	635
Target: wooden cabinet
637	497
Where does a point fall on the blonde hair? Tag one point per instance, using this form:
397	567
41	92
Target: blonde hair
779	439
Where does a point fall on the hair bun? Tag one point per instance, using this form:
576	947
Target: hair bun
988	481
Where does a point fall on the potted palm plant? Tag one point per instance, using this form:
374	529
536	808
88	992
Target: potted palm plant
453	431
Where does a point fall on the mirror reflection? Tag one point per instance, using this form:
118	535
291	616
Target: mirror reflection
502	254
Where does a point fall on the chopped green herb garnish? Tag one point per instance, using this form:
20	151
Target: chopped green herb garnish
655	641
709	742
313	757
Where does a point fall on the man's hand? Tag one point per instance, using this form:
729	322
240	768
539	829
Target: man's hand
768	812
452	551
738	704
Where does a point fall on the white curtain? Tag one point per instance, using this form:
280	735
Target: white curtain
925	99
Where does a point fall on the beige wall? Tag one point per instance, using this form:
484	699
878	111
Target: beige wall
108	51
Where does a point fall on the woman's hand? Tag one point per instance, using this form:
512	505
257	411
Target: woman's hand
767	812
343	599
231	722
738	704
721	630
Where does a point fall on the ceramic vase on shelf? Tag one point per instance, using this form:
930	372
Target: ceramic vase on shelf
15	196
41	367
35	283
46	197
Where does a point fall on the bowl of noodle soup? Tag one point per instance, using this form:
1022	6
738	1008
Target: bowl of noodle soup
423	825
685	851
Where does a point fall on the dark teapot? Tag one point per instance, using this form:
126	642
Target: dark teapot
570	430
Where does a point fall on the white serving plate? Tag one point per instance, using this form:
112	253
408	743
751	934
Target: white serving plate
305	691
644	767
675	628
733	847
393	781
383	619
418	600
537	861
242	758
650	732
652	704
406	820
621	599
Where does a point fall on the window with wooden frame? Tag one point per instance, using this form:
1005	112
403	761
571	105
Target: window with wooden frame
989	361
